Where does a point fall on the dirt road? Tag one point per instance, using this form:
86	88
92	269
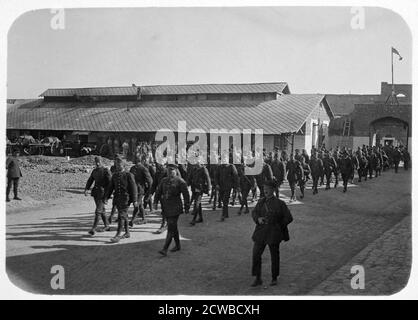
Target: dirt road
329	230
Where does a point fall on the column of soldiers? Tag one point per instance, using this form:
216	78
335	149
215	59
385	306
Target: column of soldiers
169	184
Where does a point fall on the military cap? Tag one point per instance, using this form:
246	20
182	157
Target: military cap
118	158
172	166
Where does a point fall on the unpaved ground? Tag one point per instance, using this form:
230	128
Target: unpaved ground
329	230
49	180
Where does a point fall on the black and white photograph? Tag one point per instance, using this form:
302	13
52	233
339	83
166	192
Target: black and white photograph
214	151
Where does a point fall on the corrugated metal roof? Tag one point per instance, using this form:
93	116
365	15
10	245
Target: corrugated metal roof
215	88
170	90
82	92
286	114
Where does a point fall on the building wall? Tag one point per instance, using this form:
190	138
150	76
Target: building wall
370	119
313	136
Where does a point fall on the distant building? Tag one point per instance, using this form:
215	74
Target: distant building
371	119
114	115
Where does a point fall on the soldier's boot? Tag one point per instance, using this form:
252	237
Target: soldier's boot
292	196
177	242
106	225
134	214
193	222
246	209
240	209
200	219
257	282
162	226
126	226
118	236
302	191
92	231
141	215
166	244
219	204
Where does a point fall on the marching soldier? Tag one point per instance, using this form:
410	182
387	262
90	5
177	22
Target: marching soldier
168	193
362	168
303	177
329	167
265	175
214	195
279	170
160	173
271	216
355	164
143	182
101	177
226	179
396	158
316	168
125	192
294	171
245	185
149	191
200	184
336	157
346	169
322	174
13	175
406	159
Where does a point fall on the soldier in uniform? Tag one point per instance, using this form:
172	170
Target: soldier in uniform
147	163
346	169
329	168
13	175
271	216
143	182
279	170
160	173
112	212
226	179
362	167
322	174
265	175
101	177
336	157
214	196
303	177
168	193
317	169
125	192
355	164
200	184
245	185
294	170
396	158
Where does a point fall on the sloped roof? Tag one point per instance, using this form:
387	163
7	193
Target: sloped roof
343	104
278	87
286	114
82	92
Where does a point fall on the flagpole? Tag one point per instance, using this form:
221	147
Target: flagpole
393	85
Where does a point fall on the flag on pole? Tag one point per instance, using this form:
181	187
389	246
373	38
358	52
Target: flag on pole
396	52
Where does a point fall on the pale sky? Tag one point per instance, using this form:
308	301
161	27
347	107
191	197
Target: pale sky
315	50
